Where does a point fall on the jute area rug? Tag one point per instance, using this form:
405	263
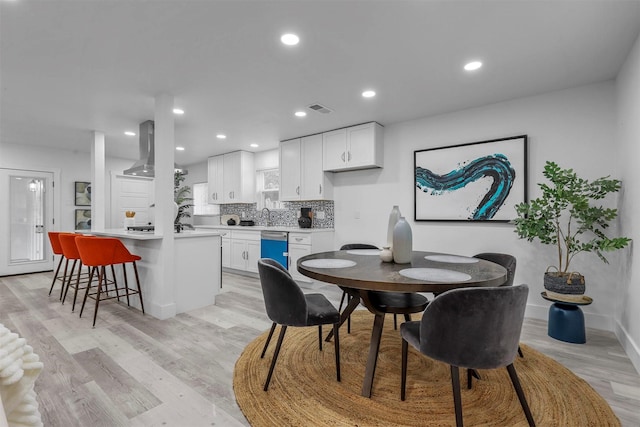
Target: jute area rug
304	390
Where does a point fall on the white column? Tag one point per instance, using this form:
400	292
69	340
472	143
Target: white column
98	182
164	210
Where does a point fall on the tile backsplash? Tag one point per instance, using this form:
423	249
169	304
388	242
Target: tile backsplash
287	217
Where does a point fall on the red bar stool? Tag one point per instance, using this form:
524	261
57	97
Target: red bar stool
57	250
99	253
70	252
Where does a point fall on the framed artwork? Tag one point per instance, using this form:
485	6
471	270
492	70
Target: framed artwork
478	181
83	219
83	193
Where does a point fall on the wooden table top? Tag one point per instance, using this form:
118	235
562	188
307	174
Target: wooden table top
371	273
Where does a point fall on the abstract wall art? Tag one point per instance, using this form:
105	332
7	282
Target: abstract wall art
478	181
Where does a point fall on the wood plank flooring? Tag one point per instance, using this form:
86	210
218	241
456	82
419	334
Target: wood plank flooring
134	370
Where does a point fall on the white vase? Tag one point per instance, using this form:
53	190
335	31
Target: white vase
386	255
402	242
393	219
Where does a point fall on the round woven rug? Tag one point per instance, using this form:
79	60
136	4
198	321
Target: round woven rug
304	390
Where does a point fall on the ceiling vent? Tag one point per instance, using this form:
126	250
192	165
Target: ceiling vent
320	108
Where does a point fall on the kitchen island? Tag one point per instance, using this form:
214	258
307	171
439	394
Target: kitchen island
196	272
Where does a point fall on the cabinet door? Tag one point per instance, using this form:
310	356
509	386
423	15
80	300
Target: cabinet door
313	175
361	146
232	176
226	253
334	145
238	254
295	253
215	174
253	255
290	169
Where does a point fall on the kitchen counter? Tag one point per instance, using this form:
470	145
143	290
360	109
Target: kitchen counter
262	227
147	235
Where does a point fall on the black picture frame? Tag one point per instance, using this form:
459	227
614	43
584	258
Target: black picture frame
472	182
82	193
82	219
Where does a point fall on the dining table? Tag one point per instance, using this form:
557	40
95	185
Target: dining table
360	271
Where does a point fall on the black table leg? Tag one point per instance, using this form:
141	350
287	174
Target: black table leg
372	359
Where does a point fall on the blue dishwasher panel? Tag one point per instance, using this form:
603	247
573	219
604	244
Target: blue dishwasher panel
275	246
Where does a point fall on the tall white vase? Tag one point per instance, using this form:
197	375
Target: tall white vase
402	242
393	219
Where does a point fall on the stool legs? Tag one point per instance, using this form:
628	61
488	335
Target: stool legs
55	276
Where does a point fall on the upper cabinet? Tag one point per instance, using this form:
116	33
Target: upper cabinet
355	147
231	178
301	172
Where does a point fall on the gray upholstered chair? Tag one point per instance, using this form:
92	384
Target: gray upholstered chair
388	302
473	328
287	305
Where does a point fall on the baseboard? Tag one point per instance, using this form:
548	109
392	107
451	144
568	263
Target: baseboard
630	346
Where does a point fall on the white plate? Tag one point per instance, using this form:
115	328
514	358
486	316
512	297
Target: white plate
328	263
453	259
435	275
364	251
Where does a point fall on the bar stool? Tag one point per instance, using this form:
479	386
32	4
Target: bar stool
99	253
70	252
57	250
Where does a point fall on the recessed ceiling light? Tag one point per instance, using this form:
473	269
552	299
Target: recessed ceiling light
221	136
368	94
178	111
300	113
254	145
180	148
129	133
290	39
472	66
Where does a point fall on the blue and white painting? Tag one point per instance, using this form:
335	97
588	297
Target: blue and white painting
480	181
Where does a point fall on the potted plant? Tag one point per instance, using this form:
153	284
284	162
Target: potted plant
181	197
567	217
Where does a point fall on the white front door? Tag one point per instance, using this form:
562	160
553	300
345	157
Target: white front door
26	216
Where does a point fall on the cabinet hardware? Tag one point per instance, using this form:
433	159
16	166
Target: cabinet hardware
342	156
320	189
298	239
348	156
298	190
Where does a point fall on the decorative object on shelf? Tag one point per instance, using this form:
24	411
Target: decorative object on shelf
83	193
565	216
83	219
402	242
393	219
449	181
231	221
129	220
386	254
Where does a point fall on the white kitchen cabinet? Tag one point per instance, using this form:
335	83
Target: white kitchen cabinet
355	147
231	178
226	252
301	172
302	244
215	177
244	250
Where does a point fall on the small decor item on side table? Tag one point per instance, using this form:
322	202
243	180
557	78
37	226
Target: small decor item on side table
386	255
402	242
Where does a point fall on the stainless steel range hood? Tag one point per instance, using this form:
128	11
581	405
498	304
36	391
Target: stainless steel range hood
145	166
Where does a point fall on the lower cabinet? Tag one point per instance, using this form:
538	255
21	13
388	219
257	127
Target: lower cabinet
302	244
226	252
244	251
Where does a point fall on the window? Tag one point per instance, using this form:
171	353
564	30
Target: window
200	203
268	189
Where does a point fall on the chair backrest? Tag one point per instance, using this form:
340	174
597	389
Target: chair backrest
474	327
96	251
55	241
68	245
283	298
505	260
350	246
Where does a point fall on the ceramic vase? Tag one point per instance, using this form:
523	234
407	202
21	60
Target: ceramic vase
393	219
386	255
402	242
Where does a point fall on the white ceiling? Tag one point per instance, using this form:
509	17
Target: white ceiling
70	67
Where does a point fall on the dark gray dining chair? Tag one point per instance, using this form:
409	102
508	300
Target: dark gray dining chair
287	305
473	328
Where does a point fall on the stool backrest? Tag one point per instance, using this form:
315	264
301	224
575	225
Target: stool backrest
68	245
55	241
96	251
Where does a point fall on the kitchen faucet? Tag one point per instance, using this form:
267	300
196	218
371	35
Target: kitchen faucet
268	216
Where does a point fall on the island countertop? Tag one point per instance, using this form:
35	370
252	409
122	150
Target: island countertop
146	235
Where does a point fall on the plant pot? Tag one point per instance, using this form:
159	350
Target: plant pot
565	287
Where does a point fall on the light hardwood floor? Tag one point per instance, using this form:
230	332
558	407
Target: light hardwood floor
134	370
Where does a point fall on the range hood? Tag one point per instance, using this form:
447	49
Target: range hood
145	166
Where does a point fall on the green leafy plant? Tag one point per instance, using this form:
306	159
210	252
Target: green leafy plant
565	216
181	197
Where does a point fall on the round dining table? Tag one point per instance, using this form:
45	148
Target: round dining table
360	271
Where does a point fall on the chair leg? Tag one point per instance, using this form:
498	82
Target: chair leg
349	297
115	283
520	352
66	265
395	322
55	276
457	399
67	283
102	276
336	337
471	373
126	283
283	329
523	400
135	269
86	292
403	376
64	297
75	293
266	344
344	294
320	337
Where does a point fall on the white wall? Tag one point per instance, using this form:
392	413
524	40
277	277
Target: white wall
627	294
575	128
73	166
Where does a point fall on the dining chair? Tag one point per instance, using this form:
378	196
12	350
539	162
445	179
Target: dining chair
473	328
287	305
